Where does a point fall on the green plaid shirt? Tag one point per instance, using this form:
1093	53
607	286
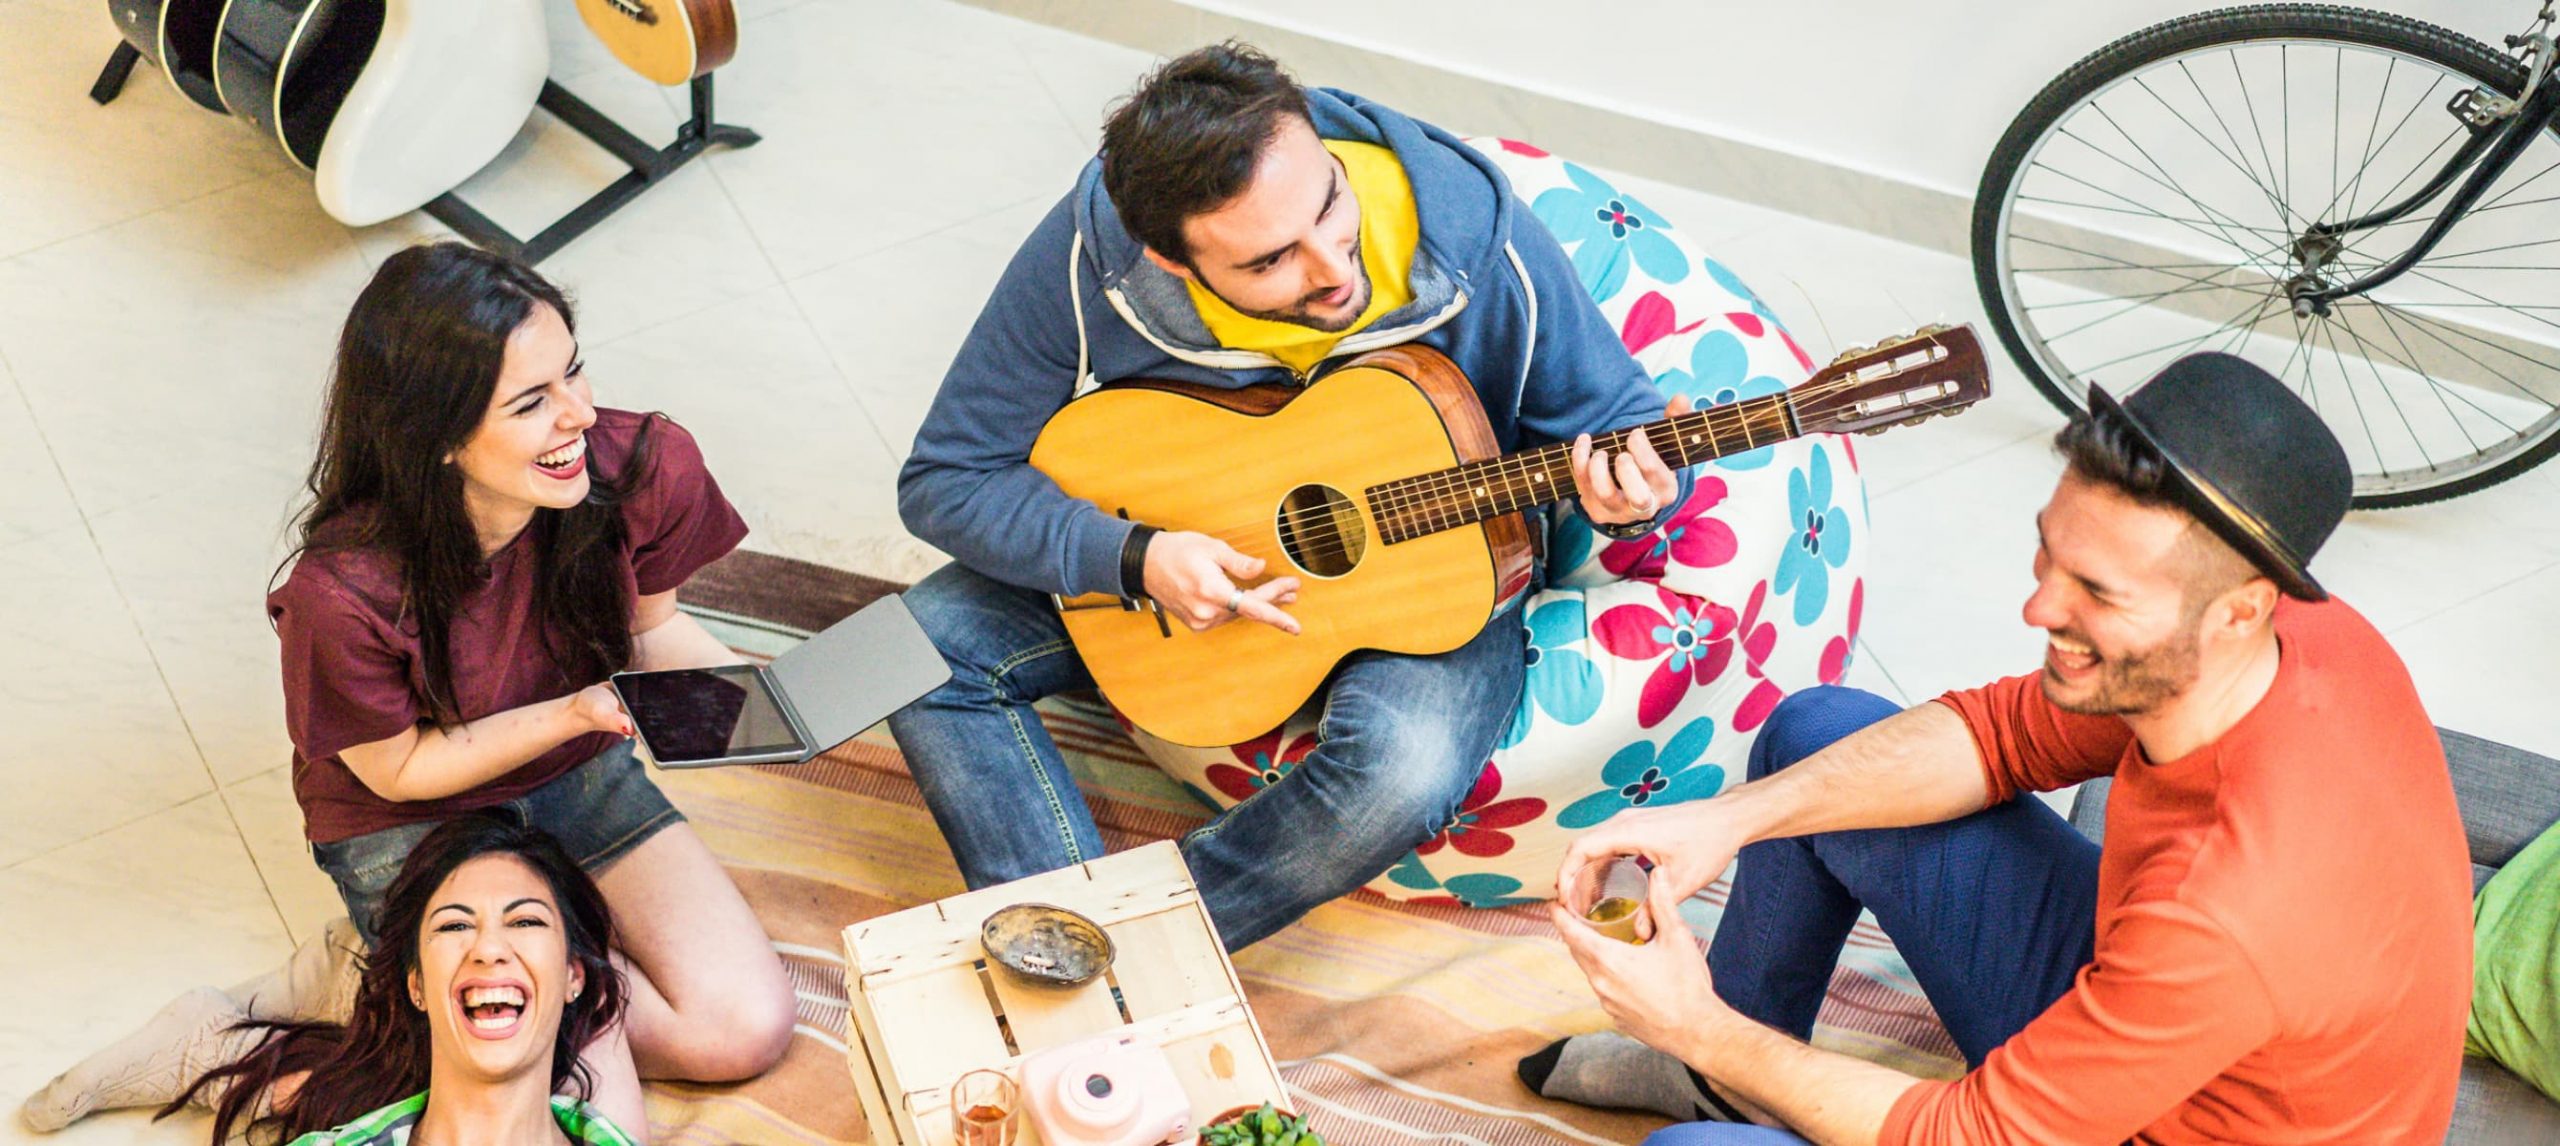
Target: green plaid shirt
392	1125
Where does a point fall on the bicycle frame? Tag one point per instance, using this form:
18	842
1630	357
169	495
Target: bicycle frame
2488	154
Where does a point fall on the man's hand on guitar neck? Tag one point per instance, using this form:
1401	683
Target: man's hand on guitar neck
1193	576
1630	487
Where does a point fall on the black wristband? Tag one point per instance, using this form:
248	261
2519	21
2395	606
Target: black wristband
1133	561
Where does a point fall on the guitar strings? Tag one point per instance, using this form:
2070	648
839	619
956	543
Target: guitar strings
1423	490
1420	519
1423	500
1437	515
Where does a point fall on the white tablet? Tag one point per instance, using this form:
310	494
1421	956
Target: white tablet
819	695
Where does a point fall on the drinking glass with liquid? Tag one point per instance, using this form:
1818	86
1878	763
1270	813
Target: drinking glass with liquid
1619	906
982	1108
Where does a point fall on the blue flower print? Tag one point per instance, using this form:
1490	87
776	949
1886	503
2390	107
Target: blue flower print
1484	891
1569	544
1481	890
1409	872
1605	230
1715	377
1820	543
1638	777
1732	284
1562	681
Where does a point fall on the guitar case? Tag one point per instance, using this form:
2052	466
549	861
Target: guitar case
176	38
286	65
448	87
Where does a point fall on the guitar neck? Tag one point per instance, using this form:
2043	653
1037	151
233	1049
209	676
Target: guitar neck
1478	491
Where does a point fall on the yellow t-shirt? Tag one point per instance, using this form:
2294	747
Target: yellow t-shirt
1389	228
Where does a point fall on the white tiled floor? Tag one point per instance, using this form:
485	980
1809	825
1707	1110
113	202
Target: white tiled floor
169	292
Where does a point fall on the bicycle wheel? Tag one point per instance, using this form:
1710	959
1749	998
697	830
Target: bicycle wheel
2153	199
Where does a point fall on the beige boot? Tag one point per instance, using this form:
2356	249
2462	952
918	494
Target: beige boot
318	983
150	1066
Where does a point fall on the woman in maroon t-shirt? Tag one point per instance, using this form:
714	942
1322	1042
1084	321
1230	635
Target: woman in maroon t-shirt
485	547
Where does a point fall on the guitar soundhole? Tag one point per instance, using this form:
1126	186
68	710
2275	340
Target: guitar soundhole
1321	530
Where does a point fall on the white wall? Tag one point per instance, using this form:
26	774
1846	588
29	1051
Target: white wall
1912	91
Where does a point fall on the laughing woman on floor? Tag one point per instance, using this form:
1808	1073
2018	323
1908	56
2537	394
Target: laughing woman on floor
466	1026
485	546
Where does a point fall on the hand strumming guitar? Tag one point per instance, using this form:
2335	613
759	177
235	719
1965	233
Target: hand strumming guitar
1193	576
1631	486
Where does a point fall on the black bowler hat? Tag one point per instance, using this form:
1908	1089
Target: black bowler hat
2247	457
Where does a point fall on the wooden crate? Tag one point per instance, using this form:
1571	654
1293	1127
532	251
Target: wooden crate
927	1009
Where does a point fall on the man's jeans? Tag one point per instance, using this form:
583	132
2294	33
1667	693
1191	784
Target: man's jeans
1400	742
1995	912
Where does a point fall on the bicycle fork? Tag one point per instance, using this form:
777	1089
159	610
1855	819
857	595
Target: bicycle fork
2488	154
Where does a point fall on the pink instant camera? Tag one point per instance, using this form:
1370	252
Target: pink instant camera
1107	1091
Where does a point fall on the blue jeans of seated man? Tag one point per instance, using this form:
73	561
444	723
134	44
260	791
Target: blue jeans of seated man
1400	742
1995	912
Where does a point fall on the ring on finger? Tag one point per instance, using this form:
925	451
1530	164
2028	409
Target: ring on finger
1236	603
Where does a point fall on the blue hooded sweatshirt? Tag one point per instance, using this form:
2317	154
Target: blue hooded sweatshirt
1081	306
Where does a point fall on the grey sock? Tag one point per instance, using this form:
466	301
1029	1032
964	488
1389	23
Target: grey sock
317	983
148	1067
1609	1069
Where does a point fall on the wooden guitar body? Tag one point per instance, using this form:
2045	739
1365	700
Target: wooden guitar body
175	37
285	65
1141	448
667	41
1381	488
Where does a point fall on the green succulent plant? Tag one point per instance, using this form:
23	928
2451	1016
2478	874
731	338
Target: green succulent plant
1268	1126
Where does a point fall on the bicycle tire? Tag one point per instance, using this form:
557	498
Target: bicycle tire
2129	54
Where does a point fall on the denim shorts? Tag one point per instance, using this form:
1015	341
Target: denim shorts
598	810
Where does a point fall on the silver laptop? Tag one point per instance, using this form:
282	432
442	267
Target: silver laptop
808	700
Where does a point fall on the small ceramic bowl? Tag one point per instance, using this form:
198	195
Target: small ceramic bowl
1045	944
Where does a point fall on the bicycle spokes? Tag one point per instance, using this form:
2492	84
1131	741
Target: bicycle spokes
2190	200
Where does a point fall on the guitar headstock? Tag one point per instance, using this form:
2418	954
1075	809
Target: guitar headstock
1933	370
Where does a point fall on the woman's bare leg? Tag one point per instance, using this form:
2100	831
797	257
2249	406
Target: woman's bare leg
709	1000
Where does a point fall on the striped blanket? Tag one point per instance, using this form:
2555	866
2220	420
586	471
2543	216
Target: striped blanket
1394	1023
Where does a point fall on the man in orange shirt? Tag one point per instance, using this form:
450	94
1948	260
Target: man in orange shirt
2274	945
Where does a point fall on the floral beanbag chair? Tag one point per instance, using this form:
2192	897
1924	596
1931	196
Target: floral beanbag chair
1652	662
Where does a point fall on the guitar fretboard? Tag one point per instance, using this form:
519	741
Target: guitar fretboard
1478	491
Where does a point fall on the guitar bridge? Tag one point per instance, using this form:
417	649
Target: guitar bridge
1124	604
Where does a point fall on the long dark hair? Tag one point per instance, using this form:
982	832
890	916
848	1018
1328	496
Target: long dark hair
417	365
383	1053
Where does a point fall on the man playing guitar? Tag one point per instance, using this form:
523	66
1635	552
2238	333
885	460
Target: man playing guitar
1239	229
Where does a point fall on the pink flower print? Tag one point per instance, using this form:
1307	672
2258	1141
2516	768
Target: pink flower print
1516	147
1759	639
1478	829
1837	654
1651	320
1691	639
1690	537
1264	763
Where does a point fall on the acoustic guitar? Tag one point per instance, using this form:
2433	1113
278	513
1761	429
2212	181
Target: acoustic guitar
667	41
1379	487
